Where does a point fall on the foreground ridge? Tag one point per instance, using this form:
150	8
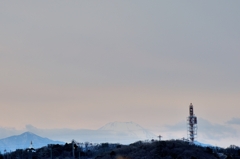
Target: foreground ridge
139	150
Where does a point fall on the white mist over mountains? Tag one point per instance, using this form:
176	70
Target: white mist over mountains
116	132
129	132
221	135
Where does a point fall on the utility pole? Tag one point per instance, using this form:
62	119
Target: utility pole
76	146
4	153
51	152
50	147
73	149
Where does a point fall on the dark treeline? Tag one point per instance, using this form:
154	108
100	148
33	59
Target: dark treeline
173	149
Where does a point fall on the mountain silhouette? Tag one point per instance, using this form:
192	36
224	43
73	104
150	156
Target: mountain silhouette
23	141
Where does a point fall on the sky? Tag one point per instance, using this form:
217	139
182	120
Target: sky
82	64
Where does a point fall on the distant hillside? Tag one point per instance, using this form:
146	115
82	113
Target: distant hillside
116	132
23	141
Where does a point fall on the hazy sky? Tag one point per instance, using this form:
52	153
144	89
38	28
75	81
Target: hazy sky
82	64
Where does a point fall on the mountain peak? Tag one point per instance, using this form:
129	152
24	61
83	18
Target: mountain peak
28	134
121	126
23	141
129	128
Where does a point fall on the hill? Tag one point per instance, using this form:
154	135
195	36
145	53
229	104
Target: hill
23	141
173	149
160	150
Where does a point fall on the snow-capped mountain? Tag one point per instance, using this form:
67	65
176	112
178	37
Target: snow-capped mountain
130	129
23	141
116	132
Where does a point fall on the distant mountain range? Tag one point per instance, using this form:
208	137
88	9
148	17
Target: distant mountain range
23	141
116	132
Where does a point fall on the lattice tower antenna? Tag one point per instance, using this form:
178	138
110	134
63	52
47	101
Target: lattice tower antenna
192	124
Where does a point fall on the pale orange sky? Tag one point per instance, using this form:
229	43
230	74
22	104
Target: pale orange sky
82	64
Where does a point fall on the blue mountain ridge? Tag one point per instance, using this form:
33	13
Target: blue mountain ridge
23	141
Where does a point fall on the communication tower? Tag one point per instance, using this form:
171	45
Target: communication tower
192	124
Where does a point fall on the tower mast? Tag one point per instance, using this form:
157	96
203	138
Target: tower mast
192	124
